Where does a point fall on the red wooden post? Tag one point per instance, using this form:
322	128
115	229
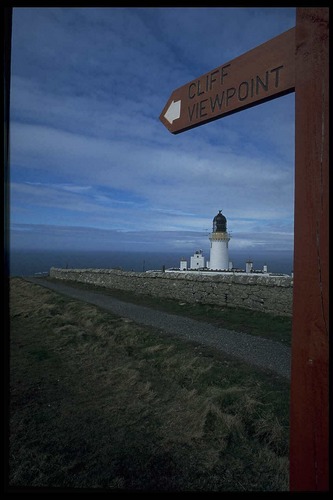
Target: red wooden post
309	371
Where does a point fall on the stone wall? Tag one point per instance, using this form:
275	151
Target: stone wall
263	293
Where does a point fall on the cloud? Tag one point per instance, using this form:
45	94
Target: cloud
87	146
57	237
151	171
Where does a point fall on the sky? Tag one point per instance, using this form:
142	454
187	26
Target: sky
92	167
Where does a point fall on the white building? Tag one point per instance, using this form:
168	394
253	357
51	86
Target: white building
197	260
183	264
249	266
219	239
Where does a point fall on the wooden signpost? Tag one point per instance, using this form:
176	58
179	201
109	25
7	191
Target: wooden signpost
266	72
297	60
310	343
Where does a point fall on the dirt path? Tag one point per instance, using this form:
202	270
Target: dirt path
257	351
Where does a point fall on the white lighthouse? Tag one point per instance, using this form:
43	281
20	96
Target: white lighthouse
219	238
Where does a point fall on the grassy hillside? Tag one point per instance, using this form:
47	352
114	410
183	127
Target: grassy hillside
98	401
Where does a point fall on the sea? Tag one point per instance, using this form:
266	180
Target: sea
37	262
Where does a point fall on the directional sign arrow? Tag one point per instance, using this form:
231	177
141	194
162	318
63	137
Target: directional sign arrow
263	73
173	111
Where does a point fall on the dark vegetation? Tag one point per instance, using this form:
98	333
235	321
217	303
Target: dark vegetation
98	401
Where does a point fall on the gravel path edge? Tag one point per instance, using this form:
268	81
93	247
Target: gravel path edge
257	351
